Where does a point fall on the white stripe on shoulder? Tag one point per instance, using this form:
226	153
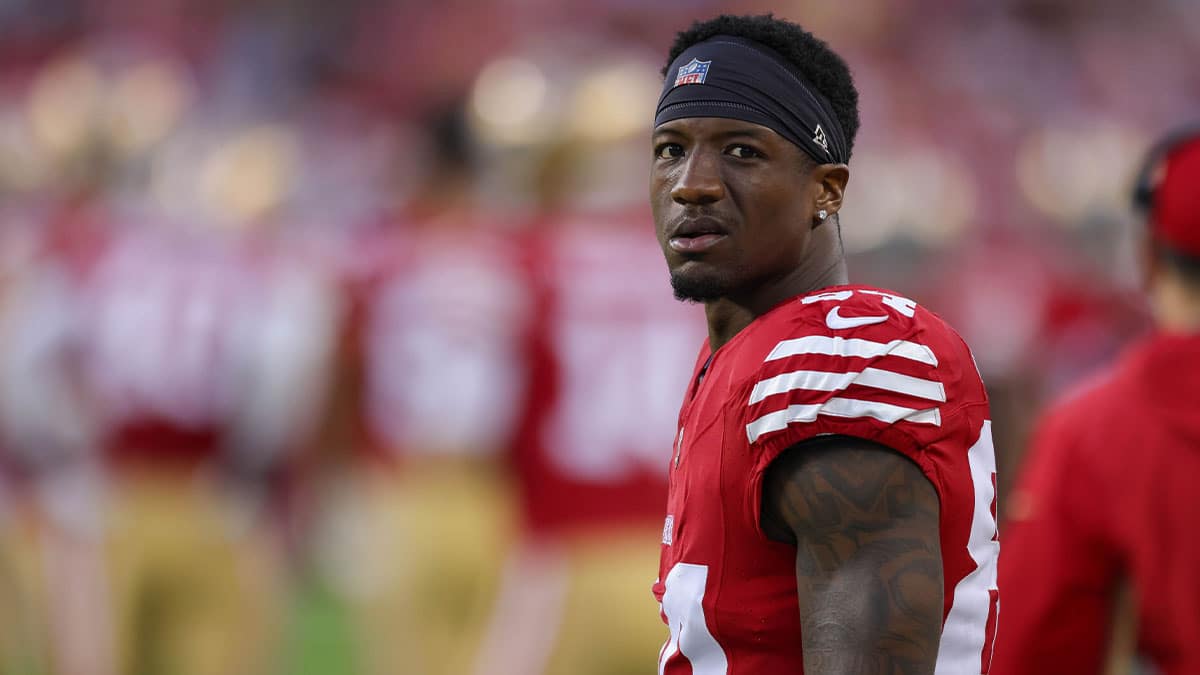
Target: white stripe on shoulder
811	380
839	346
840	407
877	378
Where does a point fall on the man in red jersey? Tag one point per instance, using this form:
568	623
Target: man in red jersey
425	515
1107	496
830	507
603	363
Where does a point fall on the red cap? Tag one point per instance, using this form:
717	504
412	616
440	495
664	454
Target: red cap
1175	214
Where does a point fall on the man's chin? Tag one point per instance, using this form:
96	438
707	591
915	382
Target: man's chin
698	288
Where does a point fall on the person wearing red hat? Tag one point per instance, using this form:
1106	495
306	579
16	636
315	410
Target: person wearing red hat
1108	497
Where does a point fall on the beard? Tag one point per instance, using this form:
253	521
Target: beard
700	287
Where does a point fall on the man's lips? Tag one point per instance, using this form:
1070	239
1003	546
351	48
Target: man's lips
697	235
696	244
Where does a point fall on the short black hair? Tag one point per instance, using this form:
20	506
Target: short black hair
819	64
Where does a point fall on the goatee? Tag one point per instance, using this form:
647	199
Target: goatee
702	289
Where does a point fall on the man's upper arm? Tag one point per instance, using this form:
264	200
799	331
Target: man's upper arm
865	522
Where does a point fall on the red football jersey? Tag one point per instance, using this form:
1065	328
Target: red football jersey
439	317
1108	493
605	368
196	345
849	360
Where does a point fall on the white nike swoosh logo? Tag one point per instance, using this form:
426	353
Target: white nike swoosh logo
836	321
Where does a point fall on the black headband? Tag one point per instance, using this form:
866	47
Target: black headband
739	79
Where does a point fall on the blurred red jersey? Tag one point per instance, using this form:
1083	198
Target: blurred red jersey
198	345
605	365
1108	494
439	314
853	361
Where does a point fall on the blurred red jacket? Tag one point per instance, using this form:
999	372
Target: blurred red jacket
1109	494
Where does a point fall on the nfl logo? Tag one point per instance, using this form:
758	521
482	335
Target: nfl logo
692	73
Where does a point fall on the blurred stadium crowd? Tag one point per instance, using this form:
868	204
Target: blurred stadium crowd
334	337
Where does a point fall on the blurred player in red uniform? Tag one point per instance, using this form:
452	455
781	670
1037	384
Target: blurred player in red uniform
206	355
428	514
831	504
431	381
1108	496
603	360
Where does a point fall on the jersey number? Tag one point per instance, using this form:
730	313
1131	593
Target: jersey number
683	606
620	383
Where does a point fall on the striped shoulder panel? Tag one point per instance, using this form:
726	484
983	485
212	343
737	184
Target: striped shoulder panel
807	377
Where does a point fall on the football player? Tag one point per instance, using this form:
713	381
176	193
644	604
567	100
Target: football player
430	380
51	550
206	354
603	361
830	507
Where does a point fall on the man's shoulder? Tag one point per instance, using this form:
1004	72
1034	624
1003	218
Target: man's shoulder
855	360
854	322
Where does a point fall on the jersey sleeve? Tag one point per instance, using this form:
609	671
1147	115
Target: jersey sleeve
866	364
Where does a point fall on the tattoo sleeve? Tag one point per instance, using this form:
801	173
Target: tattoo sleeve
864	520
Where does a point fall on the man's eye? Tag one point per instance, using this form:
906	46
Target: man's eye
668	151
744	152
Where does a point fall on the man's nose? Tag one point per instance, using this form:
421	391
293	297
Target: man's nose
700	182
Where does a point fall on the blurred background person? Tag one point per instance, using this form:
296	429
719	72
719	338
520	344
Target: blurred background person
200	348
55	592
602	349
205	353
1107	494
419	512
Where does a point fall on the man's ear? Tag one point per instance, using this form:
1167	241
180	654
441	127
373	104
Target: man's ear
833	179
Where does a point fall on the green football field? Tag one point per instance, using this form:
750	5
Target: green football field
319	640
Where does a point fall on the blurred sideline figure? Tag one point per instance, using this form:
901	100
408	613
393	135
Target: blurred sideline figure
430	381
1108	494
206	354
603	357
53	595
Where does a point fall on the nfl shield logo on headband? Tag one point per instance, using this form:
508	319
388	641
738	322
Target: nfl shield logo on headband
693	73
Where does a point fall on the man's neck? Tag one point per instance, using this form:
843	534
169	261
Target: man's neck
729	316
1176	305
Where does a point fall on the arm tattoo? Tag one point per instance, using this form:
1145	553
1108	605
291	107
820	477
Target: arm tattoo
864	520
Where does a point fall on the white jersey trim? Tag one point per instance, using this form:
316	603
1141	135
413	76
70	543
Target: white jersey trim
857	347
964	634
840	407
876	378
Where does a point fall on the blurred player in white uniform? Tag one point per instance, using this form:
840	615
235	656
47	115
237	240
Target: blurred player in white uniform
51	568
